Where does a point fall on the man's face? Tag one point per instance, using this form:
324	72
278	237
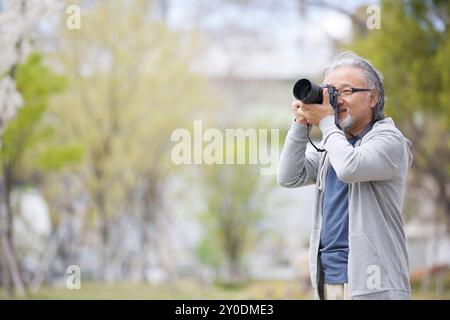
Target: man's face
356	110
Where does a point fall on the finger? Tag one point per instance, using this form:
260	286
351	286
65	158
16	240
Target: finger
304	114
308	107
326	97
296	104
300	111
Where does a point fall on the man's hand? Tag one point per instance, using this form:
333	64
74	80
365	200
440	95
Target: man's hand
298	112
315	112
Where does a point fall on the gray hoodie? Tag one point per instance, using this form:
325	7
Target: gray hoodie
375	170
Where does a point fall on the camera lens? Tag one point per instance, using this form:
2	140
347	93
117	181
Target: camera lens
307	92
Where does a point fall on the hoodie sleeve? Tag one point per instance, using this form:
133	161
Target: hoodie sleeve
377	159
296	166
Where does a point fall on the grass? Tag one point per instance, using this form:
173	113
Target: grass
189	289
185	289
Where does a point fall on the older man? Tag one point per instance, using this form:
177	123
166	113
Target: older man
357	245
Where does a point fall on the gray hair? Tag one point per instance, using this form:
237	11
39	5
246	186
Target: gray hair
372	75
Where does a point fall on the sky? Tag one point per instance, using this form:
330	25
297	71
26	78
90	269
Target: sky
265	38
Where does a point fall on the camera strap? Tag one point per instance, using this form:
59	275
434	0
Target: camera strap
310	141
333	102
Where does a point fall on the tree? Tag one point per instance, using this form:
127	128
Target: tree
36	83
234	196
17	21
412	50
130	86
28	136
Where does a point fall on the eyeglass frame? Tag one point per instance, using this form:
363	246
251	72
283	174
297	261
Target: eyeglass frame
351	89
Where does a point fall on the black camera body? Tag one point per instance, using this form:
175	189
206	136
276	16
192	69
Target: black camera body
309	92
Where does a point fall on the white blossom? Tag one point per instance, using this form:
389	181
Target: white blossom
10	98
18	24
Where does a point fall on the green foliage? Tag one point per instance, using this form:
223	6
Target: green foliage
412	51
27	135
58	157
130	86
36	82
387	52
207	250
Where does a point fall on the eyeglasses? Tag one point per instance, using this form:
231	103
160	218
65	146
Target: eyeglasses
349	91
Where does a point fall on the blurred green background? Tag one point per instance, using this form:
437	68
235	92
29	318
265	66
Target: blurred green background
92	205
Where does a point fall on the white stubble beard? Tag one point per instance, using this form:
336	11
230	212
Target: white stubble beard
347	122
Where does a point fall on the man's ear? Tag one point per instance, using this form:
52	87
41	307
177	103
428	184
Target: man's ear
373	98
